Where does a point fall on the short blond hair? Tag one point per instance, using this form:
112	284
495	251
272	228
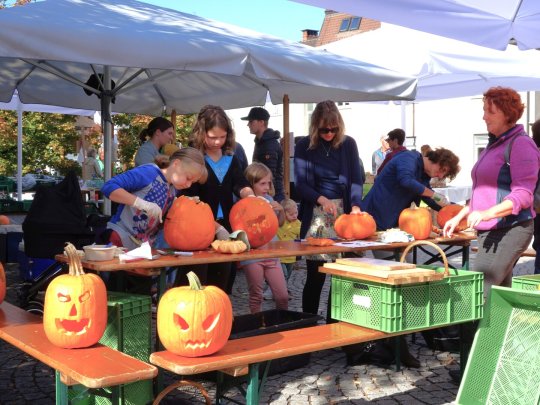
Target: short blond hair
288	203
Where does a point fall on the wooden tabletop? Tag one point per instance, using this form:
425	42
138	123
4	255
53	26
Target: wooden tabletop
254	349
274	249
95	367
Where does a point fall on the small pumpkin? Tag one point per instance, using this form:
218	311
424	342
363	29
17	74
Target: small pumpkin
4	220
193	320
3	283
319	241
355	226
416	221
189	224
75	308
229	246
256	217
448	212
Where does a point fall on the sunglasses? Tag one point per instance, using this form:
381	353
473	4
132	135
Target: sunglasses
324	131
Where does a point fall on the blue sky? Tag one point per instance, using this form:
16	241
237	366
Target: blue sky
281	18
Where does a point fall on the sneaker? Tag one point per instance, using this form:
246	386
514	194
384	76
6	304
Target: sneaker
267	295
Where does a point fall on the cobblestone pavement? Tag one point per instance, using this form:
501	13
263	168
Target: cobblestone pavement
325	380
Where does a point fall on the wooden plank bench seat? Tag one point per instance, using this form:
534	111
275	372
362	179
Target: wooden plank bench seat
255	350
98	366
530	252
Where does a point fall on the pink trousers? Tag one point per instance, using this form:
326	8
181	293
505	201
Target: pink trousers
269	270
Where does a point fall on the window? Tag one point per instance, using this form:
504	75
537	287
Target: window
480	143
355	23
344	25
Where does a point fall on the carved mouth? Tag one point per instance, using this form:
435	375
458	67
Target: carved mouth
197	344
73	326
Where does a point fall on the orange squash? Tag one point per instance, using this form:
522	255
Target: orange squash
355	226
448	212
257	218
194	321
319	241
189	224
416	221
4	220
3	283
75	308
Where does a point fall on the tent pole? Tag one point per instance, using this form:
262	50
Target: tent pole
19	148
107	125
286	146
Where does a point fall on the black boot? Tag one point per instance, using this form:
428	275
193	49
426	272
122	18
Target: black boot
407	359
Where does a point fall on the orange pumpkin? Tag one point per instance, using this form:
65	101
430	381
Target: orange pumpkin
4	220
189	224
416	221
355	226
194	321
75	308
3	283
256	217
449	212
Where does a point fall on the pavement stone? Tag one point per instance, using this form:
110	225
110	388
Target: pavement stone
326	379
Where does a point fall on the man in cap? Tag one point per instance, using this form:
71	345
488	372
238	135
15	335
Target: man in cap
267	148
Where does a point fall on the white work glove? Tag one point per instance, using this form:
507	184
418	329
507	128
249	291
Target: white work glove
222	233
152	209
440	199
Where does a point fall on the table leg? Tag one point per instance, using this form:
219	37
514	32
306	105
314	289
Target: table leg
61	391
465	258
252	395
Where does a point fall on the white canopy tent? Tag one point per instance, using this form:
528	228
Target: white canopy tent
489	23
444	67
15	104
146	59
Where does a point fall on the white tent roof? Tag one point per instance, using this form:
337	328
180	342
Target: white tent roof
161	58
489	23
445	67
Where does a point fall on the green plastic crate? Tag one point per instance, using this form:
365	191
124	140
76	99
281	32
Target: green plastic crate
129	323
395	308
9	205
530	282
504	366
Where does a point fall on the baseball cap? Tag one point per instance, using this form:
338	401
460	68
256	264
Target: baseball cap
257	113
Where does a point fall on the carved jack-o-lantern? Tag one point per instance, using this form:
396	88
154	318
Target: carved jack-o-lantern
3	283
75	309
194	321
257	218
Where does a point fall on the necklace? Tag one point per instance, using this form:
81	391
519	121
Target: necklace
327	150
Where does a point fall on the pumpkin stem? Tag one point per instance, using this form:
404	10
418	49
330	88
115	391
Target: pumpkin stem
194	282
75	266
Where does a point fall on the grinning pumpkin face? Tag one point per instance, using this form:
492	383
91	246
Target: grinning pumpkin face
194	321
75	312
75	309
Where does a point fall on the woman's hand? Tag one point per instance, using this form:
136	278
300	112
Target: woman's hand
448	229
356	210
328	206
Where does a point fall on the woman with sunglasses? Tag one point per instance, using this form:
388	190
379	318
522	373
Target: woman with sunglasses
329	177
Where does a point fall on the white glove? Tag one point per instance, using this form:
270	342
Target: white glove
152	209
222	233
440	199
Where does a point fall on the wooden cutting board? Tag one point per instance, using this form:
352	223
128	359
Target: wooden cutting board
392	277
375	264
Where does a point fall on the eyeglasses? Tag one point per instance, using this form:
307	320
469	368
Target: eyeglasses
324	131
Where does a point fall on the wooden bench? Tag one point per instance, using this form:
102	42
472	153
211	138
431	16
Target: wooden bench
530	252
98	366
256	350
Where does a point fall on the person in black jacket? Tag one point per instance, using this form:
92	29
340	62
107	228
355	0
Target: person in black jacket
267	147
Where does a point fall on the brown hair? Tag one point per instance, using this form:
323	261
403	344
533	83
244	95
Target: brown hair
211	116
326	114
446	160
507	100
191	157
160	123
257	171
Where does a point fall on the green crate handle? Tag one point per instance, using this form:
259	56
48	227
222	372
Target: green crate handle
434	246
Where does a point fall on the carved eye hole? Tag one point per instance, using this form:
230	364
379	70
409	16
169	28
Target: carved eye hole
210	322
84	297
181	322
64	297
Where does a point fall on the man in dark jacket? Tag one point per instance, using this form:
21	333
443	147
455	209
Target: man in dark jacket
267	147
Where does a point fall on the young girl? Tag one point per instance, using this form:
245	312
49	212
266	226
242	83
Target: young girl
257	271
147	191
214	136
